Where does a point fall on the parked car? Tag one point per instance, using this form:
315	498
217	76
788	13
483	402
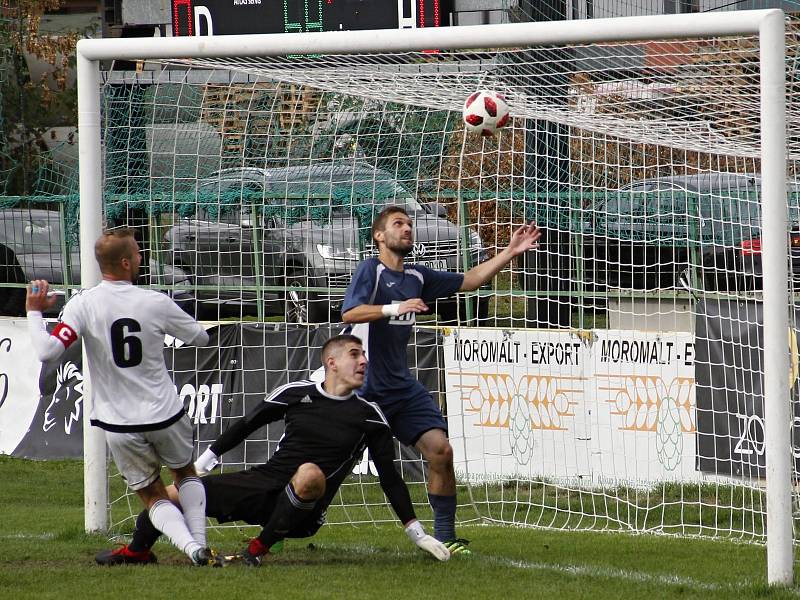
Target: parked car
32	246
645	236
301	244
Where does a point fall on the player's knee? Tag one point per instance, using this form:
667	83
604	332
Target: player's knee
181	473
153	492
440	455
309	481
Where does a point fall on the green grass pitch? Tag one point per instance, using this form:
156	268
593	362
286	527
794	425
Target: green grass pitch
44	553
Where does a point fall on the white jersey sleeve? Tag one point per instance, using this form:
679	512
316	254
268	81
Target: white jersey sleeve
180	325
47	347
66	332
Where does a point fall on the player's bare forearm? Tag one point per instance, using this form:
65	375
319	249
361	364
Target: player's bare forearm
366	313
484	272
523	239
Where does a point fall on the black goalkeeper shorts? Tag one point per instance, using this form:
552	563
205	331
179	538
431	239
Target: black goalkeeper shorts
250	496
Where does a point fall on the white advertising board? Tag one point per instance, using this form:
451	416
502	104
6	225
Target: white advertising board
19	383
587	408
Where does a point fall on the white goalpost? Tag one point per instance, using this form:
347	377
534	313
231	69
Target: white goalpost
386	75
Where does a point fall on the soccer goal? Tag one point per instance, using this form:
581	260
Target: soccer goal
631	374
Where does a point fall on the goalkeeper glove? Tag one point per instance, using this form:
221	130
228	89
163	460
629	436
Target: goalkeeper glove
430	544
206	462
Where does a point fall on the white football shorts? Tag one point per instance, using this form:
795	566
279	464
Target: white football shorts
139	455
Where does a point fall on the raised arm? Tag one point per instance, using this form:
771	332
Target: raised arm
47	346
523	239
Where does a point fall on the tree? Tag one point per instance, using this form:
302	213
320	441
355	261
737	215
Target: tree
28	106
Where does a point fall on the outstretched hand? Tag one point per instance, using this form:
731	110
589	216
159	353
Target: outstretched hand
523	239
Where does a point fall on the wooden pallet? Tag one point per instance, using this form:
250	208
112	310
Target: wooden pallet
229	109
297	105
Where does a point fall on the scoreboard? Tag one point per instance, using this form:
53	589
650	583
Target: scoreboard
229	17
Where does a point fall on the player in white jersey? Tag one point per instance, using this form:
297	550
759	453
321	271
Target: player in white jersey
133	398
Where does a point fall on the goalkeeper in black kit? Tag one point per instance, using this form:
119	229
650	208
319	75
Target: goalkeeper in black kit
327	426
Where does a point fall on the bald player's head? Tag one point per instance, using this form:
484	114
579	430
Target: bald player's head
117	253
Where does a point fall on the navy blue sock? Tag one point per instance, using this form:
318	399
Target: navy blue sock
444	517
145	534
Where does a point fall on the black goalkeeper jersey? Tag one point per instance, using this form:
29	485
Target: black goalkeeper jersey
329	431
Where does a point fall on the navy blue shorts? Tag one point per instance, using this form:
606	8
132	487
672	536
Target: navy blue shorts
410	418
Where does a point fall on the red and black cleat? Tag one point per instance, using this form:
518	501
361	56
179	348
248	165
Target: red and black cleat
124	556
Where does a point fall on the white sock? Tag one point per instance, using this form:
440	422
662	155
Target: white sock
192	495
166	517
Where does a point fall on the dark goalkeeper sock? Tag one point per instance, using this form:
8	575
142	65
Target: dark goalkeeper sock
444	517
145	534
290	510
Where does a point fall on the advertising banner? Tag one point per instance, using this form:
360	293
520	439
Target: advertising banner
588	408
642	394
515	403
41	404
593	407
730	388
19	384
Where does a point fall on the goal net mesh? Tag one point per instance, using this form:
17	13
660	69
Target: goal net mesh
610	379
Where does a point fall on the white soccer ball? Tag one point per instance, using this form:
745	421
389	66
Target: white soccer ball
485	112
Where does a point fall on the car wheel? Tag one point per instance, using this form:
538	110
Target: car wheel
303	306
13	302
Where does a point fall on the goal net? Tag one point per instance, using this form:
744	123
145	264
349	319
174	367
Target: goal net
611	379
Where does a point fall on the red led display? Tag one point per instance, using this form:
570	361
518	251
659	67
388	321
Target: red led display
229	17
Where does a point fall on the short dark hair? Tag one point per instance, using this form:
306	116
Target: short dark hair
379	224
112	247
333	344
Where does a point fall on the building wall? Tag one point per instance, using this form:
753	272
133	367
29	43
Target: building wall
599	9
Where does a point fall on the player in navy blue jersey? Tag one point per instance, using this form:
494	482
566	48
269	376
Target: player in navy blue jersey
327	428
381	303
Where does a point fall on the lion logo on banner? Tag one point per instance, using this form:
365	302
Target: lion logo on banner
67	398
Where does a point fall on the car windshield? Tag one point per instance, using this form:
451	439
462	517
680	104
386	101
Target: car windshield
38	227
647	202
42	230
300	193
741	207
